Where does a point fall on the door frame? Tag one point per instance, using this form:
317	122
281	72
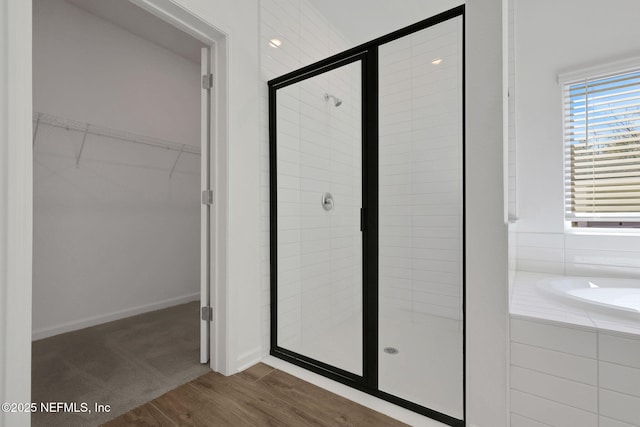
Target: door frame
217	152
367	53
276	350
16	190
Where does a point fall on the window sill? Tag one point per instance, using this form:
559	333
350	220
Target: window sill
568	229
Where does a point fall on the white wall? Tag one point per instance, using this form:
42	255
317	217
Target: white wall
362	21
567	42
15	207
115	235
237	297
551	38
486	243
91	70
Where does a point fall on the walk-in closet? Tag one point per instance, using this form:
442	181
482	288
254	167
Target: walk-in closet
117	206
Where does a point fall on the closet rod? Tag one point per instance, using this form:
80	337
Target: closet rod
88	128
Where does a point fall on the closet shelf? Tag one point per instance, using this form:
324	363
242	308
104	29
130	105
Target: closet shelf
88	128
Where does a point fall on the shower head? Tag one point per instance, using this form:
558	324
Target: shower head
336	101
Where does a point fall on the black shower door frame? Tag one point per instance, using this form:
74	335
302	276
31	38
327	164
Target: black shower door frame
367	53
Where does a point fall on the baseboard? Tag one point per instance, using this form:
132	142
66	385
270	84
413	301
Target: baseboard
248	359
110	317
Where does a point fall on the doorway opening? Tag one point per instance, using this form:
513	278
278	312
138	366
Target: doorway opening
124	112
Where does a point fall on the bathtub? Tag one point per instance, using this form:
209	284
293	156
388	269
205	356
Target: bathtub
617	294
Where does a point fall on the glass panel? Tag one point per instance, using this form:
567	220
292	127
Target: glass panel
421	214
319	188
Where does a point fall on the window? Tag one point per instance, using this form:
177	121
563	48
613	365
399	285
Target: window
602	150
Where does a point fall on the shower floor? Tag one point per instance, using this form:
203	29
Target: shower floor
427	369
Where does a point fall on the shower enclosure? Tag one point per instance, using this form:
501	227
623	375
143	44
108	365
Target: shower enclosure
367	217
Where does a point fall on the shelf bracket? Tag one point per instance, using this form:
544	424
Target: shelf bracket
35	130
84	139
176	162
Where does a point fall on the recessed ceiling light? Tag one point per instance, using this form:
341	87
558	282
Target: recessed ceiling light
275	43
436	61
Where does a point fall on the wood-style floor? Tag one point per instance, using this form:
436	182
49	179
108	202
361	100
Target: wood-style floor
259	396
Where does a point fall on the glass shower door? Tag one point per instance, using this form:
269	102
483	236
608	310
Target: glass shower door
318	192
367	217
421	209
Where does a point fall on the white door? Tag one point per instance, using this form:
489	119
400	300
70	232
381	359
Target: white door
205	208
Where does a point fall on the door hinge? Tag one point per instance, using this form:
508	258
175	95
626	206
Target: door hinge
207	197
206	314
207	81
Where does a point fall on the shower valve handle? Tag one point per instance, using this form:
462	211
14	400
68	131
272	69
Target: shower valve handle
327	201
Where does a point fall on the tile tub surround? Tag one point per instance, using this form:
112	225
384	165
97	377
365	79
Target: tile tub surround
578	253
571	365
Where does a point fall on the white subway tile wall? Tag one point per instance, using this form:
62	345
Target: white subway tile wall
540	252
319	255
579	254
520	421
609	422
566	376
539	390
319	252
512	242
421	176
420	214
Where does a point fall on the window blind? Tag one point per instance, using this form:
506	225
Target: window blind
602	148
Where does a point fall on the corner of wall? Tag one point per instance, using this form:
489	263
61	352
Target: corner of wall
486	249
4	139
15	209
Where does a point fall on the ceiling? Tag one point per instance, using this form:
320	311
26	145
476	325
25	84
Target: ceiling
358	20
131	18
364	20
